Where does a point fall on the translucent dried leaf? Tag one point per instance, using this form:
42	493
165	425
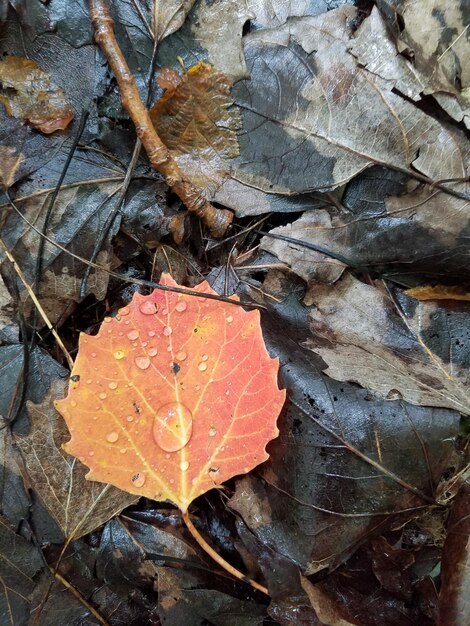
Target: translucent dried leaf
173	396
196	119
10	160
28	94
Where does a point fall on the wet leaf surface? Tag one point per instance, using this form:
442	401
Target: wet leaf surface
78	506
345	112
345	463
19	563
183	423
27	94
405	348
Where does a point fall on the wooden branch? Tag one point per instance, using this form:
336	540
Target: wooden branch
159	156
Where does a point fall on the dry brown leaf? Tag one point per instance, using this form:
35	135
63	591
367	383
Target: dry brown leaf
196	120
29	94
79	506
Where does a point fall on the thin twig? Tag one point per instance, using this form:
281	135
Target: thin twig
159	156
134	281
218	559
36	302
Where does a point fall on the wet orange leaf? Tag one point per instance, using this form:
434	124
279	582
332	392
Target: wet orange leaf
173	396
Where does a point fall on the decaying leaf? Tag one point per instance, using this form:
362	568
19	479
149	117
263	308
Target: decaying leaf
78	506
171	15
19	562
435	35
29	94
395	349
454	604
197	121
10	160
309	264
313	117
175	395
345	463
439	292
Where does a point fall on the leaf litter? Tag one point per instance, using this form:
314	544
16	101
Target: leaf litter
345	131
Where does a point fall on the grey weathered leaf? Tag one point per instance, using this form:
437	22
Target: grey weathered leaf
79	506
273	13
313	118
308	264
435	34
200	37
345	464
405	348
19	562
171	15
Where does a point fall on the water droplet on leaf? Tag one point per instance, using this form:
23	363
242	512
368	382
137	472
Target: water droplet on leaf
202	367
138	480
181	355
142	362
119	354
112	385
184	465
181	306
167	331
230	319
112	437
132	335
212	431
148	308
152	352
102	396
172	426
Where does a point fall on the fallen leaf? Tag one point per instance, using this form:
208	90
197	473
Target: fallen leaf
197	121
10	160
176	395
308	264
454	605
171	16
200	36
19	562
439	292
29	94
346	464
78	506
434	35
313	117
392	348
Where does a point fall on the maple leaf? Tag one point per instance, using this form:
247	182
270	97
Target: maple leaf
175	395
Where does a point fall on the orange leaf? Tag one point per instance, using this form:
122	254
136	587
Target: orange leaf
174	395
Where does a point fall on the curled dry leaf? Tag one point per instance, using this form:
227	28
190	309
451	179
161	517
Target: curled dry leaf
29	94
173	396
10	160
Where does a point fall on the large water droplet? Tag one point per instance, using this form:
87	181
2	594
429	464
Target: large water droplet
172	426
138	479
142	362
181	306
181	355
148	308
132	335
152	352
112	437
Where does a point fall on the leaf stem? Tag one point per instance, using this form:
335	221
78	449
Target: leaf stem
218	559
